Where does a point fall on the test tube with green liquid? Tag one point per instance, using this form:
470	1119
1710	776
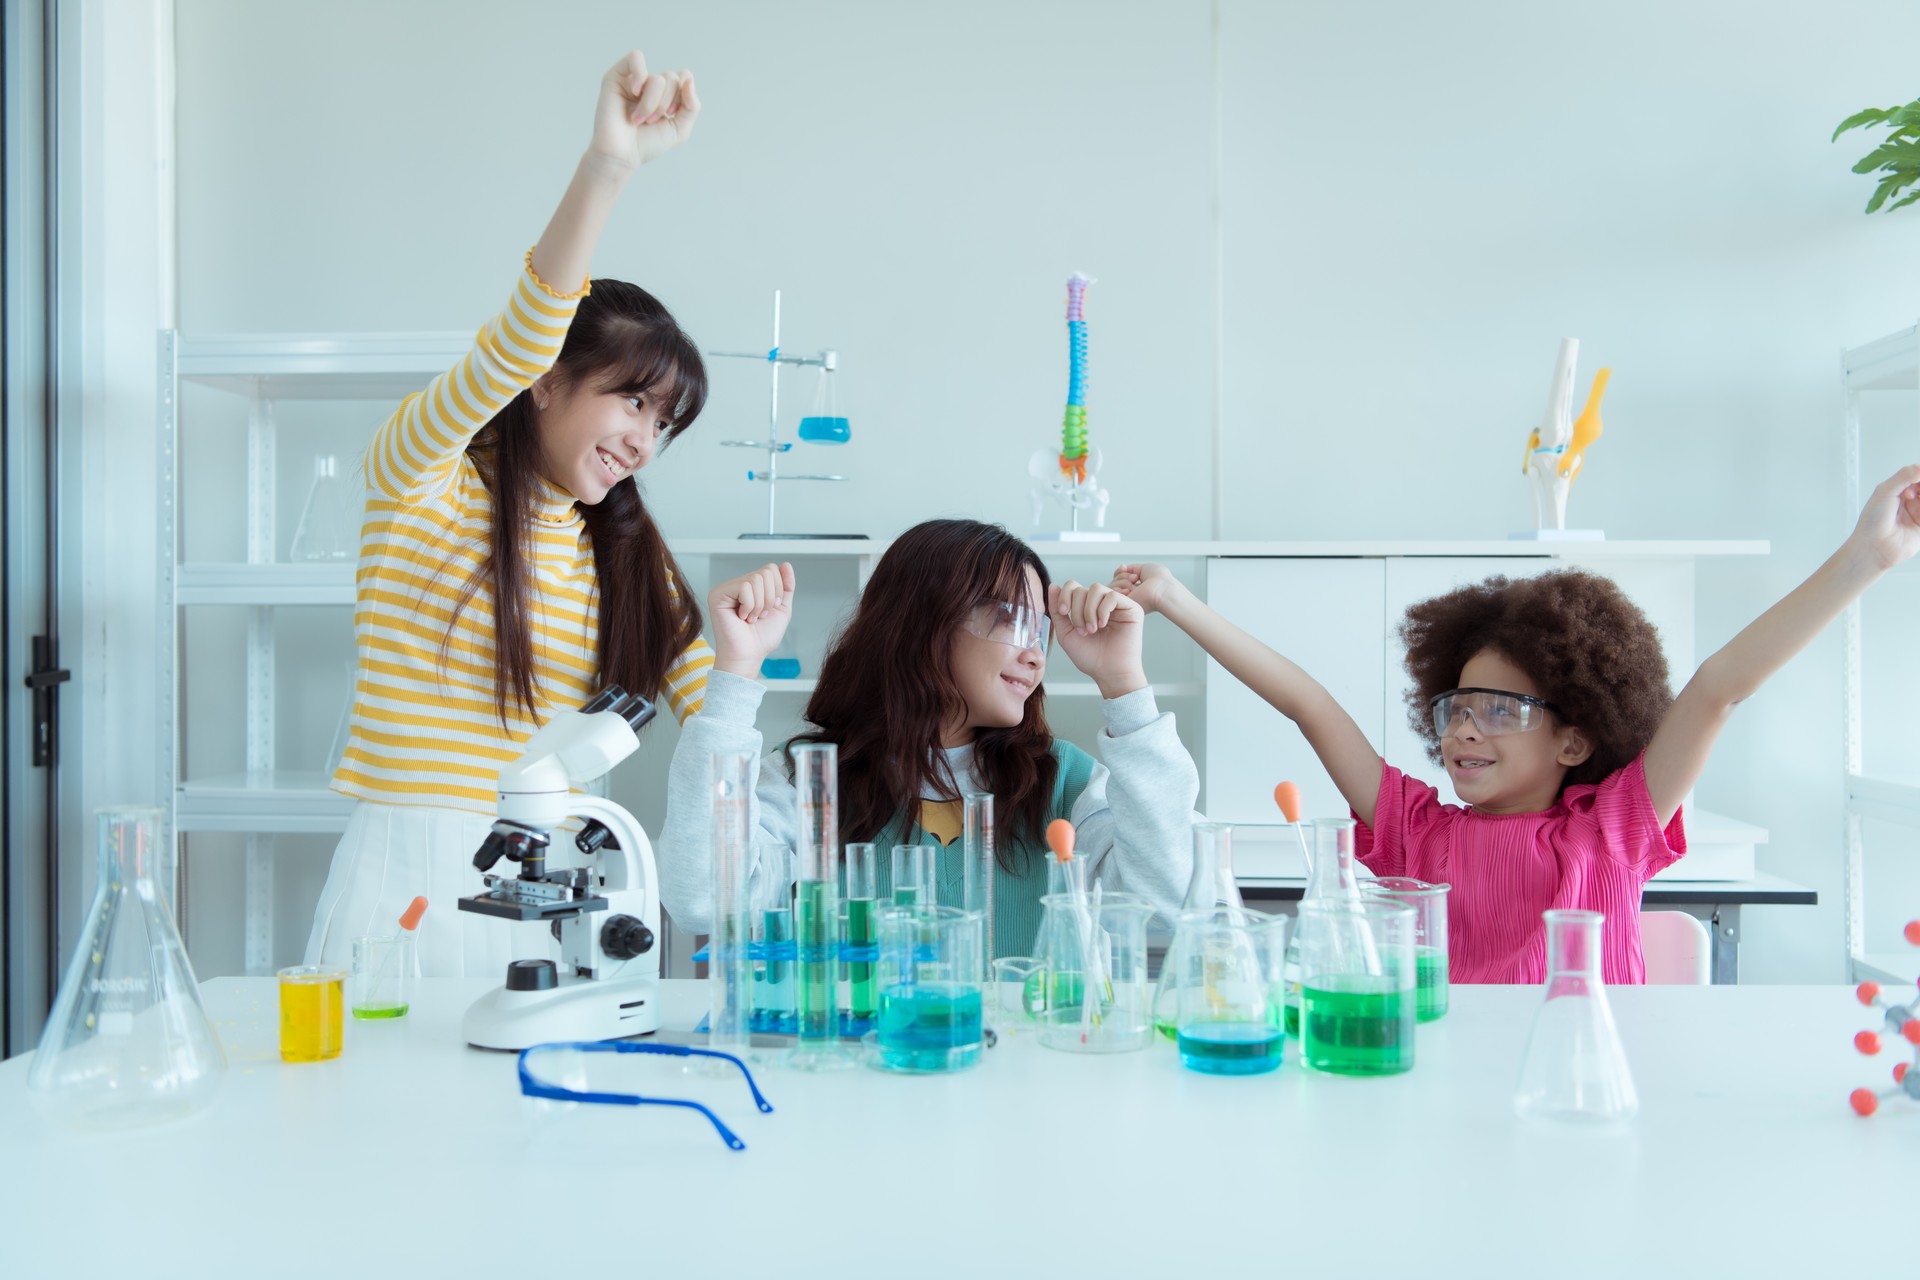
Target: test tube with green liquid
816	913
859	937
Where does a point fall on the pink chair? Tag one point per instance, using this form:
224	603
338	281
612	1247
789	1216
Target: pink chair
1677	947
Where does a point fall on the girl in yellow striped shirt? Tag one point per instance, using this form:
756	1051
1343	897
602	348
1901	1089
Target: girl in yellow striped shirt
508	565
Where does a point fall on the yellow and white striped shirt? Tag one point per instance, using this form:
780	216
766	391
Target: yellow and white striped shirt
426	729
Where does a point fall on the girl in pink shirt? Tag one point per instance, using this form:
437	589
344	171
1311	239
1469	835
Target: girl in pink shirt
1546	700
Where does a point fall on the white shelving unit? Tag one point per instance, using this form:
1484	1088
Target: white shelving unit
262	372
1880	788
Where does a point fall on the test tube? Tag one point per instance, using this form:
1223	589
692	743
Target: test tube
976	845
729	960
816	917
863	880
916	882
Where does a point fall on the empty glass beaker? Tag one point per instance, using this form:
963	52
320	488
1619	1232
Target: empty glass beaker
1211	887
128	1041
1228	1023
1575	1068
1357	999
1330	876
1429	903
1095	947
329	527
1019	993
930	989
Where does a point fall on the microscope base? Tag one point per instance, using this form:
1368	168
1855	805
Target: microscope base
578	1009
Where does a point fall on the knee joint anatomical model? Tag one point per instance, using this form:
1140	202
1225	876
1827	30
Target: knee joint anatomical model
1556	451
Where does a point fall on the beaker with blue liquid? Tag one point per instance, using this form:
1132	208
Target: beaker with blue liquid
931	989
825	425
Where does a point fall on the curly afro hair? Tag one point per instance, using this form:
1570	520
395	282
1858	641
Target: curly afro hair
1589	648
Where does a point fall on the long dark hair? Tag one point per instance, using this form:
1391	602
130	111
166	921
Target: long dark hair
622	341
886	686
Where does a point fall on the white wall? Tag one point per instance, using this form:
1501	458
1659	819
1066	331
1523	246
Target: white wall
1417	202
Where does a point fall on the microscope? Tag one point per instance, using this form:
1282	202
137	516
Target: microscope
604	913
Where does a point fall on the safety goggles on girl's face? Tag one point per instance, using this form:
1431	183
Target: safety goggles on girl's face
1010	624
1493	711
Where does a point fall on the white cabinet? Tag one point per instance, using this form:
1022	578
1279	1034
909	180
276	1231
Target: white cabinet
1881	384
1339	619
234	610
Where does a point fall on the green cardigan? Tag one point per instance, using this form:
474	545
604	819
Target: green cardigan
1016	897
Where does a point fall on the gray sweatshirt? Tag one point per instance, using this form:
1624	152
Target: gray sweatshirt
1133	822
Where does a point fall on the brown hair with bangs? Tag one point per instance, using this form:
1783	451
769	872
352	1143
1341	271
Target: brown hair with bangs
624	342
886	686
1591	650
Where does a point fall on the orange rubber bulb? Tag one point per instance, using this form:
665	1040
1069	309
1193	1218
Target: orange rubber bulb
1911	1030
1868	992
410	920
1867	1042
1287	796
1060	839
1913	932
1864	1101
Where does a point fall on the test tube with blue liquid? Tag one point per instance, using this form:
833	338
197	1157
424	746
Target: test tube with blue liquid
816	915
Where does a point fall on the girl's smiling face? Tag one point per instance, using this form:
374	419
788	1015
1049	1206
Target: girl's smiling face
1508	772
592	440
995	679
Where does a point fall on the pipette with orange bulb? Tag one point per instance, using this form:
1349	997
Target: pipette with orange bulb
1093	978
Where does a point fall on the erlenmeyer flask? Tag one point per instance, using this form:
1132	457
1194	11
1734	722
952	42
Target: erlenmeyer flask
128	1042
1575	1068
1330	876
783	663
1211	891
329	528
824	425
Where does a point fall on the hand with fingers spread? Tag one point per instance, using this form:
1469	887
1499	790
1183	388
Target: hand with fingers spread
1100	629
641	115
750	614
1889	527
1151	586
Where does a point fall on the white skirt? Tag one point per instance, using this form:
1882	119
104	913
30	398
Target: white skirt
392	853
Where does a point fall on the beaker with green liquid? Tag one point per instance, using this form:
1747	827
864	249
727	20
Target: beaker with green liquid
1095	946
931	989
1429	903
1358	999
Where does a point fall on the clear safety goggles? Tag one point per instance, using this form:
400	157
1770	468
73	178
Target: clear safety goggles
1493	711
1011	624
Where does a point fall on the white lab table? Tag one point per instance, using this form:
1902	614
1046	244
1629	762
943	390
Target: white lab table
414	1155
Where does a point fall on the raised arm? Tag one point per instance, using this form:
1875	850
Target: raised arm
1888	533
637	117
1344	751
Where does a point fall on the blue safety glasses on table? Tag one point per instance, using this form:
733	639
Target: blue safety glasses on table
1010	624
533	1088
1493	711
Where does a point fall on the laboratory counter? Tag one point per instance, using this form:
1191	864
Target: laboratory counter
414	1155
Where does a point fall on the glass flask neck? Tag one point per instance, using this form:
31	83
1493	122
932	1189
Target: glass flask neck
129	847
1331	875
1212	884
1573	950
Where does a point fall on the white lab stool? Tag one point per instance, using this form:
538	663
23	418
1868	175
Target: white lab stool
1677	947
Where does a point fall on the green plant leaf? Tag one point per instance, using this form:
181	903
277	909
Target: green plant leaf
1889	155
1907	199
1872	115
1908	115
1890	184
